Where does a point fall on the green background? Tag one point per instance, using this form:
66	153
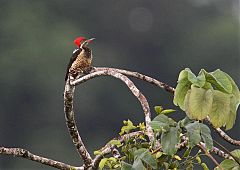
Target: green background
157	38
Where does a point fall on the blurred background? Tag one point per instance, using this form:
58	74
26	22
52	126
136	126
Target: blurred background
157	38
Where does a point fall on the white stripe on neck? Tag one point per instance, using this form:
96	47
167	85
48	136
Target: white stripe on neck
74	51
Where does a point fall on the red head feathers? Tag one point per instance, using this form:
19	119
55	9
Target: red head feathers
79	40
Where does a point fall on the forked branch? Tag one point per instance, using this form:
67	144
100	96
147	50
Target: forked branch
19	152
141	98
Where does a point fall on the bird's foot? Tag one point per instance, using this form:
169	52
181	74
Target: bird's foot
88	70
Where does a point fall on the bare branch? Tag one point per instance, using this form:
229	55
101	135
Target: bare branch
226	137
202	146
141	77
220	153
19	152
131	86
72	127
223	134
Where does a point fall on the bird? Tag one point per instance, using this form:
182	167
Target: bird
81	59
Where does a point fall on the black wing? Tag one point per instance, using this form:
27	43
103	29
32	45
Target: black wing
76	52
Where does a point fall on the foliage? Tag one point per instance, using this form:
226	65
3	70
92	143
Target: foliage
229	164
140	154
214	95
209	94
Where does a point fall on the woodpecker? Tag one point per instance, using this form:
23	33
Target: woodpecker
81	60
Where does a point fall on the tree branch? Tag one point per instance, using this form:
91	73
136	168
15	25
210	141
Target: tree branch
19	152
141	98
223	134
202	146
139	76
72	127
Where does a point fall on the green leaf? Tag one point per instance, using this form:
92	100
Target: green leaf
235	90
180	92
220	80
219	115
183	74
236	153
128	127
185	121
112	159
141	126
102	163
144	155
161	122
149	160
234	103
137	165
193	133
126	166
187	152
198	159
157	126
168	111
228	164
158	155
206	136
204	166
158	109
233	112
115	142
177	157
207	86
164	119
97	152
198	81
169	140
198	103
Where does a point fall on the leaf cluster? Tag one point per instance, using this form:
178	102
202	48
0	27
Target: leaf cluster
214	95
139	153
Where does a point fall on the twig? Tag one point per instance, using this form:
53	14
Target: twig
202	146
223	134
229	154
183	144
19	152
220	153
141	77
72	127
214	150
141	98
